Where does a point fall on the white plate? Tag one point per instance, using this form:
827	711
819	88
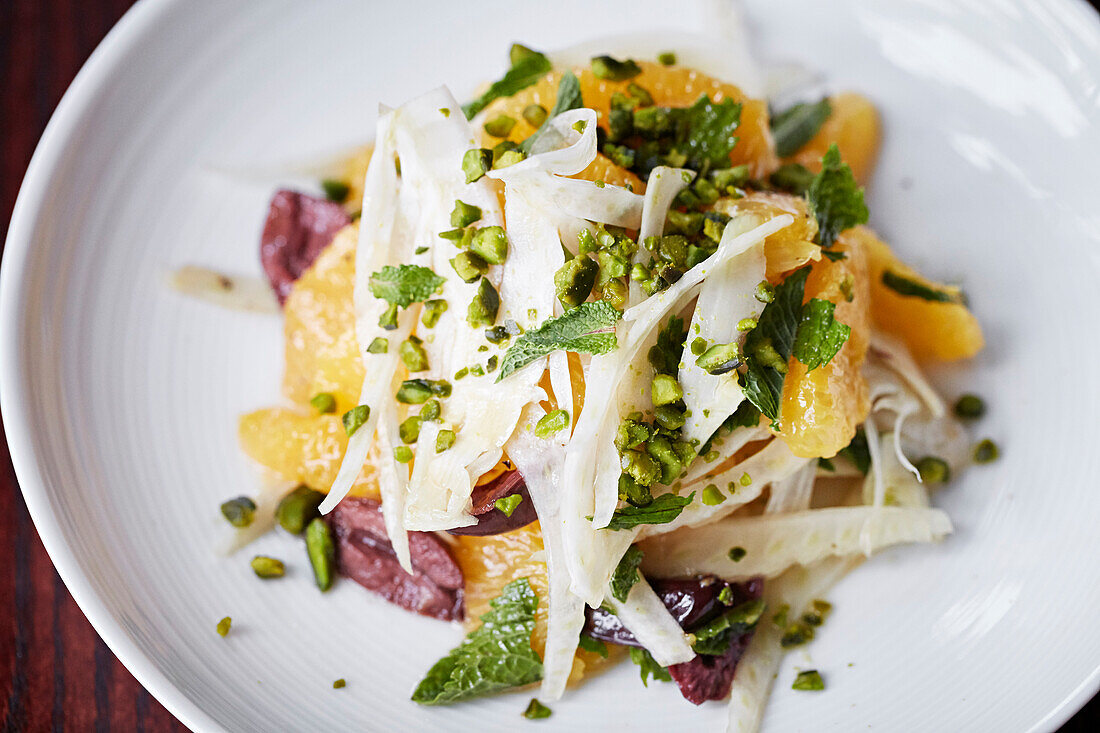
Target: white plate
120	397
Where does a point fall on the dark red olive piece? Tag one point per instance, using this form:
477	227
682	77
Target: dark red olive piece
298	227
364	554
491	520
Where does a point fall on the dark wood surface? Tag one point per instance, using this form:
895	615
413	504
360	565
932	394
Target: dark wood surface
55	672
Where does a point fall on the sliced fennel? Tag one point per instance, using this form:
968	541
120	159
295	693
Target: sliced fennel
727	297
539	462
652	625
661	188
774	543
757	669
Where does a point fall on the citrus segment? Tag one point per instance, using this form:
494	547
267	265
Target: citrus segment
322	353
932	330
790	247
301	448
822	408
855	128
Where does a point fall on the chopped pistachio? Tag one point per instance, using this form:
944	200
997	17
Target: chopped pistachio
606	67
737	554
631	434
666	58
573	282
339	684
482	310
725	596
712	495
268	567
986	451
239	512
500	126
933	470
970	407
508	504
323	402
652	122
640	467
796	634
669	417
444	440
698	345
223	626
765	292
817	612
476	163
746	324
409	429
745	479
462	373
298	508
414	392
507	158
497	334
535	114
536	710
491	244
728	179
454	235
402	454
431	410
431	312
321	549
808	680
379	346
634	493
551	423
335	190
469	266
354	418
388	320
413	354
660	450
665	390
720	358
464	214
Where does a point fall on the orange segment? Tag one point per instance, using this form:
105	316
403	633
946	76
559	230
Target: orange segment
932	331
674	86
789	248
490	563
821	409
602	169
322	353
855	128
302	448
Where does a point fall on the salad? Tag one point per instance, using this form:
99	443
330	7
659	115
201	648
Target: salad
605	363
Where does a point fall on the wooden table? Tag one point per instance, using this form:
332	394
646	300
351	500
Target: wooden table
55	672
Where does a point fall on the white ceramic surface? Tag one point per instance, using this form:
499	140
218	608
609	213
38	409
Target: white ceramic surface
120	397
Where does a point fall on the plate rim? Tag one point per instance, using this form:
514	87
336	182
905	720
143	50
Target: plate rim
81	93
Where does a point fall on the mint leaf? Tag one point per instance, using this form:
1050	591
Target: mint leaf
835	198
626	573
662	510
858	452
819	336
588	644
494	657
906	286
664	356
649	666
794	127
588	329
404	285
525	72
768	346
705	132
569	97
